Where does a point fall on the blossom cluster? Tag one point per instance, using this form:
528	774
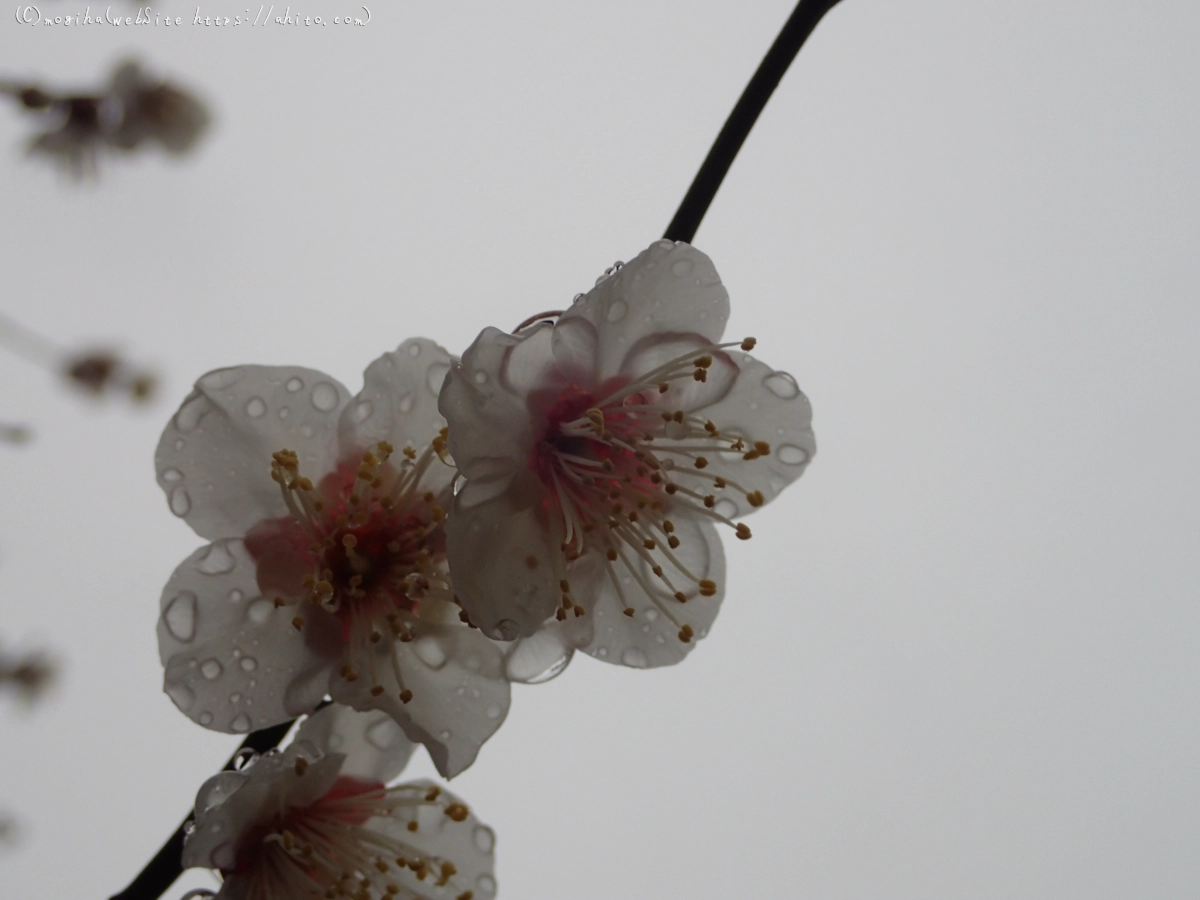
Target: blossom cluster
458	525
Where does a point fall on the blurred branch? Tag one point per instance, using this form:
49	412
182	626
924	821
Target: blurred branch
14	434
799	26
29	675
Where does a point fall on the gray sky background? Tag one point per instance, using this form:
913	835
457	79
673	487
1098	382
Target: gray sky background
957	660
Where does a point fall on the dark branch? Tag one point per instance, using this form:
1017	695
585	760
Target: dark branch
700	195
160	873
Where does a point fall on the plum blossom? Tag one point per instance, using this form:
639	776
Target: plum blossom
327	569
316	821
600	452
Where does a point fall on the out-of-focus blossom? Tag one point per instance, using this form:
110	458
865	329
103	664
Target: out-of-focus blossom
29	674
102	372
327	572
316	822
133	111
14	434
600	453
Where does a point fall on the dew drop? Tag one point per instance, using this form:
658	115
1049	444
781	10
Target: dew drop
783	385
617	310
361	412
634	657
485	839
435	376
260	611
445	735
193	410
486	884
221	378
307	430
256	407
181	501
180	616
493	711
506	630
414	349
241	724
172	475
602	652
236	596
481	377
651	615
235	698
682	267
211	669
792	455
248	664
405	403
382	734
725	507
430	652
284	412
205	719
181	695
180	443
324	396
294	384
217	561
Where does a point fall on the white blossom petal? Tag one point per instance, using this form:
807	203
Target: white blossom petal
669	287
502	557
762	405
374	746
214	458
398	404
232	661
459	693
651	637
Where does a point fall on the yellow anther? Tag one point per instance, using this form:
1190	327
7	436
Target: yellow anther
702	362
377	691
686	633
349	541
649	543
677	416
663	387
668	526
611	554
579	612
596	417
567	602
405	695
755	498
457	812
701	462
305	484
666	417
298	622
718	482
708	588
657	570
381	865
681	596
386	447
561	614
671	489
564	586
432	794
308	581
301	765
413	826
629	611
751	454
763	447
710	501
748	344
355	580
710	427
672	541
465	895
279	601
370	459
742	532
700	374
410	453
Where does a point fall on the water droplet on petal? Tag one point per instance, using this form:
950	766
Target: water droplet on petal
217	561
481	377
205	719
445	735
180	443
493	711
414	349
324	396
307	430
235	698
361	412
634	657
256	407
249	664
430	652
486	884
383	734
222	378
172	475
617	310
211	669
180	616
405	403
294	384
241	724
651	615
792	455
236	596
181	695
602	652
284	412
725	507
435	376
485	838
783	385
260	611
181	501
682	267
193	410
506	630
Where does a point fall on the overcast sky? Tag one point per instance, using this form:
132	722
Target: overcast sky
957	660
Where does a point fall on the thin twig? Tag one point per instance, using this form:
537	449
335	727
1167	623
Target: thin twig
799	26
